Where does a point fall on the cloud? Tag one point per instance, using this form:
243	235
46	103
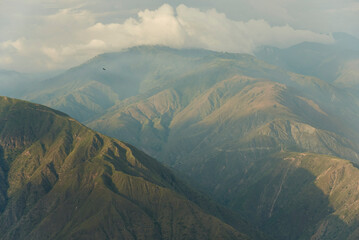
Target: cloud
16	45
73	35
215	31
151	27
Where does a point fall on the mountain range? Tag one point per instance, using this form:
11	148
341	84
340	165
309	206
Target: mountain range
274	137
337	63
62	180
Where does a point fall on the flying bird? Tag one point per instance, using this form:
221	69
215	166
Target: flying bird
104	69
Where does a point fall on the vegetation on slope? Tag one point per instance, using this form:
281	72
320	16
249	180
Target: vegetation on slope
61	180
300	196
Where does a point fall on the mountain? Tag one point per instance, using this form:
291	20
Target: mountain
337	63
300	196
88	92
240	115
346	41
218	119
100	83
61	180
11	81
14	84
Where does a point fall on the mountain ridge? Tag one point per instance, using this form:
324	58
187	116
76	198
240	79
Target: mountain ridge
67	181
218	118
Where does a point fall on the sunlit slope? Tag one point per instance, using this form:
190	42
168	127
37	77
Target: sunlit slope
240	115
112	79
106	79
61	180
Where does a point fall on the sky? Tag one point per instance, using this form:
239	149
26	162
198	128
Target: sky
43	35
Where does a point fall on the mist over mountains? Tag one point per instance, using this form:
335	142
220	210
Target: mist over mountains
336	63
273	137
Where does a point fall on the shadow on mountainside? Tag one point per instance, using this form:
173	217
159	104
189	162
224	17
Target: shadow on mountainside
286	198
291	196
3	181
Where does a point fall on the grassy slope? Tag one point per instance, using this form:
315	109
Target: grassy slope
65	181
300	196
224	138
237	113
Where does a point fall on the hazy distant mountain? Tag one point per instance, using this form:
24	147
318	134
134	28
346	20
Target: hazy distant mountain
61	180
219	118
14	84
11	83
95	86
337	63
346	41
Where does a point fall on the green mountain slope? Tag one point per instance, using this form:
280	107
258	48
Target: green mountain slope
61	180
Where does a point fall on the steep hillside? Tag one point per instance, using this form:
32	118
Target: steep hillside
213	117
89	91
227	127
235	111
300	196
61	180
105	80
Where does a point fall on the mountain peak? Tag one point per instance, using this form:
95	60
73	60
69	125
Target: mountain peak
61	180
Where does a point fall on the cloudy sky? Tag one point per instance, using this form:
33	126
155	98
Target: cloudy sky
41	35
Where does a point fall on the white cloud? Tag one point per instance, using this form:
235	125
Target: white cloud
215	31
73	35
16	45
